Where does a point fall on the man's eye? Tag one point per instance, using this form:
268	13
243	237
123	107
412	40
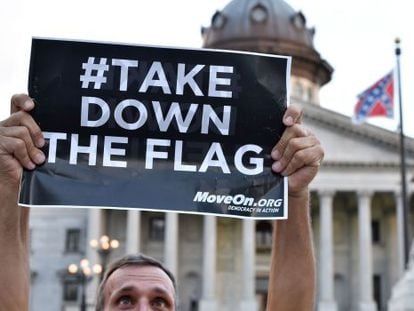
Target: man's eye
159	303
125	301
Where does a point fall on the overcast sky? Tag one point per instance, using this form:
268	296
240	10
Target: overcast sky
355	37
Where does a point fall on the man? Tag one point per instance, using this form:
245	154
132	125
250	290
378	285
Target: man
141	286
137	282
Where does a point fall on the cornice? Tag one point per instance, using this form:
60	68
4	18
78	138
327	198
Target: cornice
349	164
343	124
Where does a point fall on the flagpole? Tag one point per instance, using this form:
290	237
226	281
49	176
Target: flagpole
402	156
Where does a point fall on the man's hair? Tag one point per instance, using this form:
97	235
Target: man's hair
128	260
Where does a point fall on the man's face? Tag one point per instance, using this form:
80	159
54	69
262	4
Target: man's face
139	288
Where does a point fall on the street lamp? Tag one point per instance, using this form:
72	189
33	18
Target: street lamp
104	246
84	273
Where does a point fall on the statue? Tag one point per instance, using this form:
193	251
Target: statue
402	296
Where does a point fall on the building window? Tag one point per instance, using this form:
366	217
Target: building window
156	228
262	284
376	231
298	90
377	290
70	290
263	235
193	305
31	240
218	20
73	240
310	95
299	20
259	13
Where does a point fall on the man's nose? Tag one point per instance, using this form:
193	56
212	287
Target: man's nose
143	305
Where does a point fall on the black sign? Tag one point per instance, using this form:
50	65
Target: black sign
157	128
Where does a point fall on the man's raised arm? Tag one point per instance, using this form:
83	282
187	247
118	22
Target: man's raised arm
20	139
292	281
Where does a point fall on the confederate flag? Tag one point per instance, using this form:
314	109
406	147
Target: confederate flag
376	101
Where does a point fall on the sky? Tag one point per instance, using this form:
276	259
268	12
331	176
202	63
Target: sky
356	37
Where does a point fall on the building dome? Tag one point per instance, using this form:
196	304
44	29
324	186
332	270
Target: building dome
268	26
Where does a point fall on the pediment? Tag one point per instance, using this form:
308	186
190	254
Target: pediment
346	143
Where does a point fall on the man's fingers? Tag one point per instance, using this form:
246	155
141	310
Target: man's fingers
22	118
310	157
293	146
16	148
289	133
293	115
17	141
21	102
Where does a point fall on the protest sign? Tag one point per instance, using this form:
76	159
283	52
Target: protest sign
157	128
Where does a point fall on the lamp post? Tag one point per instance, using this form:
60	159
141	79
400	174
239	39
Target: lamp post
104	246
84	273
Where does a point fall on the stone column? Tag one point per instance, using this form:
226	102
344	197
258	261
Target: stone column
208	301
96	228
400	233
326	258
133	232
366	302
171	242
249	269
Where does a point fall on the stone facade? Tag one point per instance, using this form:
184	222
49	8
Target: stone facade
51	253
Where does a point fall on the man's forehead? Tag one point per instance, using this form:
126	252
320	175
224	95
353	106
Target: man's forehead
139	276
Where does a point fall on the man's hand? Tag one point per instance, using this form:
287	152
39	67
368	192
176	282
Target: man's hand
20	138
298	154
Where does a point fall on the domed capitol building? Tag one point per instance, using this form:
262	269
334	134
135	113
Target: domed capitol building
222	264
